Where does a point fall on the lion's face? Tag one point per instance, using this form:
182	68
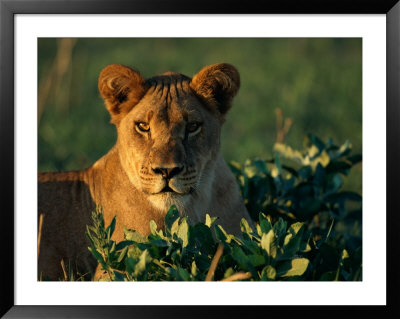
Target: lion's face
169	128
167	139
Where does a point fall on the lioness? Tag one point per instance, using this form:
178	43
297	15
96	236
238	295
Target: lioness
167	152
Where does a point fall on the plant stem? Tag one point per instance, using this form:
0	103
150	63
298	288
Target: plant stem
330	229
39	233
63	269
238	276
214	262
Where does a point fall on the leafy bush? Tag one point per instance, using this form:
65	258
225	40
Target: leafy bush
302	192
185	252
306	227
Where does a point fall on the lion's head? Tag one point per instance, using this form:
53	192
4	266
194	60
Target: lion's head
169	127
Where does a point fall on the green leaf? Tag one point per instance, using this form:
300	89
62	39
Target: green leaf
200	236
160	243
345	148
320	175
265	224
183	232
110	229
91	229
222	235
250	171
343	257
89	236
123	244
99	258
304	245
240	258
305	172
334	184
354	159
268	273
292	241
133	235
112	249
174	227
108	232
261	166
235	167
183	275
171	216
343	196
259	231
130	264
323	159
210	220
288	152
245	227
256	260
313	140
153	227
268	243
279	229
229	272
140	267
118	276
194	270
203	262
337	166
122	254
252	246
294	267
134	251
295	228
328	276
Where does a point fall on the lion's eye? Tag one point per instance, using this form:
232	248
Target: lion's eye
143	127
193	127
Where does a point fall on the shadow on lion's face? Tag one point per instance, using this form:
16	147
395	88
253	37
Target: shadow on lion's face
169	128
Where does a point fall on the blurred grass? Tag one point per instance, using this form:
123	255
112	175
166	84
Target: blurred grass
316	82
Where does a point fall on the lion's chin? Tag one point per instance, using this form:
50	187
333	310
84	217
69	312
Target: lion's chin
164	200
172	191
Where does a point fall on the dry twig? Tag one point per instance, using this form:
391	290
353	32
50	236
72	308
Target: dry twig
51	81
282	126
214	262
39	233
64	270
238	276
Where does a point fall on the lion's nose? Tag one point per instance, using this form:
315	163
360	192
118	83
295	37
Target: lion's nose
167	173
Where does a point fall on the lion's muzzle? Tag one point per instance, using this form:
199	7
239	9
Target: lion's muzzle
168	179
171	179
167	173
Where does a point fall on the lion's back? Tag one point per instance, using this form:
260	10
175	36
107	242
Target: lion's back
64	205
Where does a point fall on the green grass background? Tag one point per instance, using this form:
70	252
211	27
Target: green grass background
316	82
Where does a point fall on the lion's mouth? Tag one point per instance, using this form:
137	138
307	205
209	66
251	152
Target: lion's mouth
172	191
167	189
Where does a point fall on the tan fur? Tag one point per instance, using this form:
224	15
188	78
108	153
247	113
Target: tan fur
127	181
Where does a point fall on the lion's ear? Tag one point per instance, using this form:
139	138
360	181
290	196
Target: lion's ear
121	88
217	84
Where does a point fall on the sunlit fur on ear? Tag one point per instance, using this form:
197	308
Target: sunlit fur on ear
216	85
121	88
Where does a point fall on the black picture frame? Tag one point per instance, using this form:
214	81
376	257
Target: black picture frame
8	10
